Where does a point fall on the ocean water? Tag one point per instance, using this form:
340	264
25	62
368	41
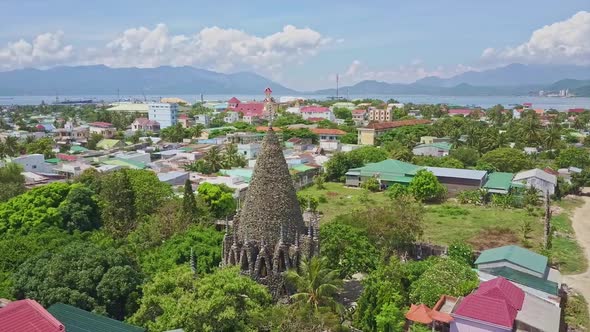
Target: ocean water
482	101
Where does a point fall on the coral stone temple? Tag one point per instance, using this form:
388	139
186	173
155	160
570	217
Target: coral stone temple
268	234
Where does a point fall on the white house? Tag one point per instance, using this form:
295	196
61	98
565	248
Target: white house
249	151
203	119
293	110
231	117
33	163
317	112
164	113
539	179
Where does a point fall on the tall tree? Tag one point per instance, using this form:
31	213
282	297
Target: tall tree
80	210
189	203
118	204
12	182
214	158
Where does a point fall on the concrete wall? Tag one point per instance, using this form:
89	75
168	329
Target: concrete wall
366	137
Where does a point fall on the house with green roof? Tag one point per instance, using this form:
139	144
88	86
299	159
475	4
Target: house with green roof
108	144
499	182
388	171
78	320
526	268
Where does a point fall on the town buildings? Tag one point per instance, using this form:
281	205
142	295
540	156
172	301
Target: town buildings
379	115
145	124
107	130
164	113
317	112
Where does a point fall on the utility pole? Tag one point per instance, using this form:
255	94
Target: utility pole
547	222
337	85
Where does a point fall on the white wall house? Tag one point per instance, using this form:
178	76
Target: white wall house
539	179
203	119
33	163
231	117
311	112
163	113
249	151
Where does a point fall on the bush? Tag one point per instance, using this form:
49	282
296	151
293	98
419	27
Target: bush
461	252
471	197
371	184
425	187
396	191
504	201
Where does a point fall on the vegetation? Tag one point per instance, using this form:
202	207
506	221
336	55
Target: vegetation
12	183
426	188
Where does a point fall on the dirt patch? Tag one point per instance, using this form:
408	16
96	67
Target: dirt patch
331	194
492	237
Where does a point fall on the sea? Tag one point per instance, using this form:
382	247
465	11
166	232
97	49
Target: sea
467	101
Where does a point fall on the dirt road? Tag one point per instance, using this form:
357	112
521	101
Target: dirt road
581	225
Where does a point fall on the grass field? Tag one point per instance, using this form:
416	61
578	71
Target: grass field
482	227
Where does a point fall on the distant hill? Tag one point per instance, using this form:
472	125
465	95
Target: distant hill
97	80
512	75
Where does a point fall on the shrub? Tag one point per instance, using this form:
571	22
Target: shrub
470	197
396	190
371	184
425	187
461	252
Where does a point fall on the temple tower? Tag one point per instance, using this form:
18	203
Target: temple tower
268	235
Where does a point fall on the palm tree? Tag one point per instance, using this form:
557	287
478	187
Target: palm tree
552	136
316	284
214	159
11	146
232	158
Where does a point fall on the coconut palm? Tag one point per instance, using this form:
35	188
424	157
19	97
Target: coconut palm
214	159
552	136
11	146
316	284
232	158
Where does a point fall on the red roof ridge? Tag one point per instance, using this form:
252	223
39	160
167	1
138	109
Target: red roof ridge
327	131
501	288
399	123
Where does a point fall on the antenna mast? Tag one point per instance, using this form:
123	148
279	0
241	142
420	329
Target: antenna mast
337	86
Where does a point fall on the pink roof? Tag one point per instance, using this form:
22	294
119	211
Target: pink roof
501	288
527	104
576	110
66	157
183	116
315	119
250	109
314	109
267	90
460	111
359	112
28	315
101	124
487	309
233	100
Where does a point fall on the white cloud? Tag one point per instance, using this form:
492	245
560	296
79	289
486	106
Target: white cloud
45	50
357	71
564	42
212	48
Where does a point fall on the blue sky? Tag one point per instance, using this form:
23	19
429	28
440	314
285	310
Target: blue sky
395	41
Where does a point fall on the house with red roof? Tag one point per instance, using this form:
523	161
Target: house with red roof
499	305
576	110
460	112
358	116
28	315
107	130
324	113
233	103
327	134
251	112
145	124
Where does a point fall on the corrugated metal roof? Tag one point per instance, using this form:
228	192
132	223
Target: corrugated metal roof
536	173
439	145
516	255
78	320
28	315
499	180
457	173
525	279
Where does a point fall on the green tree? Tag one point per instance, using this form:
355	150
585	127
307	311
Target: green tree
425	187
347	249
221	301
93	141
219	198
83	275
12	182
342	113
467	156
232	158
10	147
396	191
214	159
383	288
447	277
390	319
149	192
174	133
349	138
573	157
316	284
371	184
189	203
461	252
340	163
319	180
204	241
79	210
42	146
506	160
118	211
36	208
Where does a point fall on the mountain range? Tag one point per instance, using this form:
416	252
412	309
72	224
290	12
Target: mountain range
514	79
